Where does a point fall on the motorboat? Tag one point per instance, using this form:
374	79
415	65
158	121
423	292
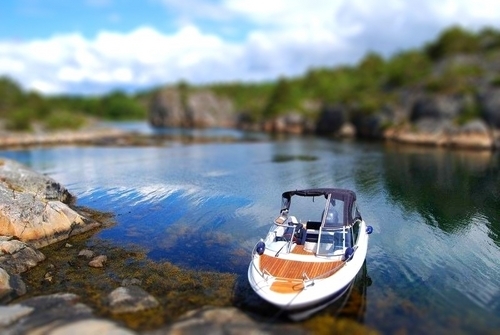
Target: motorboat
312	251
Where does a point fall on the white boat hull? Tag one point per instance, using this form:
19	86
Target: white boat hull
315	291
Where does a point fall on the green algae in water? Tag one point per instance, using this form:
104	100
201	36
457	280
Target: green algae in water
178	291
289	158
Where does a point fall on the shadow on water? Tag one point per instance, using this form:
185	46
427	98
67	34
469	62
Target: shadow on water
348	309
448	188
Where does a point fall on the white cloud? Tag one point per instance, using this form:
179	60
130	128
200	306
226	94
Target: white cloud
284	37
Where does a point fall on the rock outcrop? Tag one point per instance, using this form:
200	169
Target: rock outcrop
489	100
130	299
59	314
229	320
35	208
172	107
11	286
18	257
472	135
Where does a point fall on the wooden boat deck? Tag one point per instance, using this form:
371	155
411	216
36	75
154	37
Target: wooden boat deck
287	286
292	269
299	250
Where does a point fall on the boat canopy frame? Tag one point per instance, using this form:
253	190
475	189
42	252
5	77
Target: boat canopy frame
350	212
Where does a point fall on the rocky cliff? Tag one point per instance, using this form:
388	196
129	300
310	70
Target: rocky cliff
456	104
173	107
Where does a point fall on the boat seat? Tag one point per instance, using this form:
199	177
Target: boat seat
312	231
300	234
314	225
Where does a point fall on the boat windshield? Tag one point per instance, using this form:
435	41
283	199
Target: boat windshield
333	215
334	241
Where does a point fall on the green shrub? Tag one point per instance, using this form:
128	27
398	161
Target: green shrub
408	68
496	81
455	79
11	95
119	106
19	120
64	120
470	112
453	41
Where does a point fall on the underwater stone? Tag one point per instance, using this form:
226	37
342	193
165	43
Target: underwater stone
86	253
98	262
131	299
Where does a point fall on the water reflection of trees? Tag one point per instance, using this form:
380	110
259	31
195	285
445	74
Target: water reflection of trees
448	188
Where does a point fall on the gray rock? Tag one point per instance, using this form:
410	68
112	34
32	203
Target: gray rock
86	253
166	109
370	126
91	327
20	178
437	107
33	207
11	286
54	314
432	126
489	102
474	135
227	321
11	247
331	120
205	109
192	109
98	261
131	299
289	123
10	314
22	258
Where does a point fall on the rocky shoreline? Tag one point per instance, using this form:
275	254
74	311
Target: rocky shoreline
84	136
474	135
72	288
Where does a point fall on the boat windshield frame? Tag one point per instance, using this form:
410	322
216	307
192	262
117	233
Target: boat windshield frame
349	213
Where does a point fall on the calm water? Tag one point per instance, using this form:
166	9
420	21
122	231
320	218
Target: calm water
433	263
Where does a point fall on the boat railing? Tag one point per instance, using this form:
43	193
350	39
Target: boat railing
265	274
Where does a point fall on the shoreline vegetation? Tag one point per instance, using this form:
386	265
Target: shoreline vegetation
445	94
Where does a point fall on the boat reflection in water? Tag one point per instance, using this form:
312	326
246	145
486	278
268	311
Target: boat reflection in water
350	304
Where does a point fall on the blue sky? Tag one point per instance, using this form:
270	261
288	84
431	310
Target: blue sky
94	46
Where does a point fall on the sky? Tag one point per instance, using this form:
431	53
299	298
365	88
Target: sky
96	46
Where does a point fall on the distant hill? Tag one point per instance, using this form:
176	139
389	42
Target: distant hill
445	93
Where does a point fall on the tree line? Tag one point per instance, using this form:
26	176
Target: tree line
365	86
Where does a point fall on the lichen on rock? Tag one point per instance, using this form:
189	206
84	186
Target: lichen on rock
35	208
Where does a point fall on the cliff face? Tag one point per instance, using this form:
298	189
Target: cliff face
456	104
418	118
171	107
